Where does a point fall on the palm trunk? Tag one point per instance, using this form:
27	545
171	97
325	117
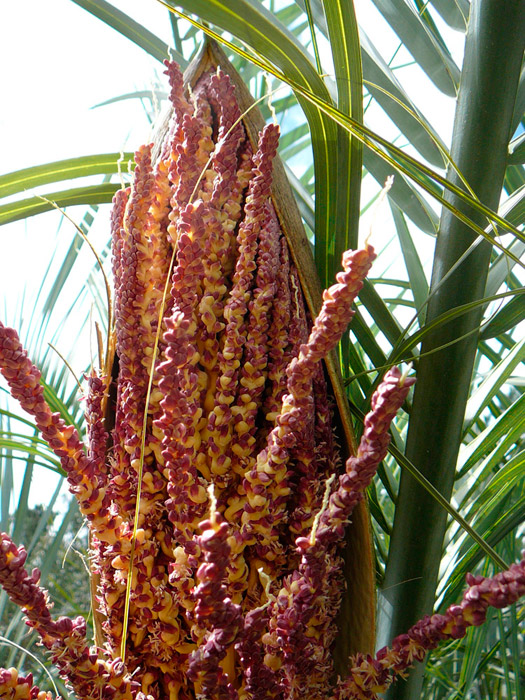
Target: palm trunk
491	69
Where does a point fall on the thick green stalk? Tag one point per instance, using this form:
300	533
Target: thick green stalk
493	55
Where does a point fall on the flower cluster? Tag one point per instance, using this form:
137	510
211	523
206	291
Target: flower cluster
212	484
16	687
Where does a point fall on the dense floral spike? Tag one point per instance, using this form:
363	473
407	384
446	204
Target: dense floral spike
278	338
239	604
120	201
386	401
369	677
262	679
178	100
215	614
230	133
132	376
267	484
254	369
304	610
179	425
135	321
220	423
96	430
161	205
317	457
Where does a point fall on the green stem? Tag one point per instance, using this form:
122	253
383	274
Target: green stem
493	55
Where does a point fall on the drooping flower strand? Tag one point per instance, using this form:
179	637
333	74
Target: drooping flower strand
85	483
90	671
370	676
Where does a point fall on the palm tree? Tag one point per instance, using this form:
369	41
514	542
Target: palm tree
449	497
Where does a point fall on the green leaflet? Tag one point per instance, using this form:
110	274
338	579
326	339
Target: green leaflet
29	178
432	57
90	194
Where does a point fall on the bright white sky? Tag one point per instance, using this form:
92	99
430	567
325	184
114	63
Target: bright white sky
58	61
